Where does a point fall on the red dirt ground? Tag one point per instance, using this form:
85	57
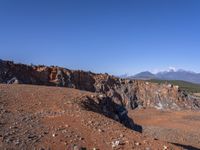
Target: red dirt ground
180	127
51	118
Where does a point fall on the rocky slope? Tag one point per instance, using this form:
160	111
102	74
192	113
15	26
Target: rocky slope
52	118
117	95
127	93
108	96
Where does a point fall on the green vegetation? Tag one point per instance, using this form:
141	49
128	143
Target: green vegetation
187	86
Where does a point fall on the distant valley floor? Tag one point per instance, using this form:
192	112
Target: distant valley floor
180	127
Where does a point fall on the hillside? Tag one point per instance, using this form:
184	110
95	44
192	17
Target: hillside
51	118
50	107
143	76
187	86
125	93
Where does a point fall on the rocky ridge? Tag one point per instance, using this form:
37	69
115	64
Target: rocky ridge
128	93
116	95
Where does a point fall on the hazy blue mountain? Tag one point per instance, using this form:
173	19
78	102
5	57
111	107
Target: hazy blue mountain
144	75
179	75
170	75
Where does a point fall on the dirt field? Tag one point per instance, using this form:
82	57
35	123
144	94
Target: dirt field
181	127
51	118
197	94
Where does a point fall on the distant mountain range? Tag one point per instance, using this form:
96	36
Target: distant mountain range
183	75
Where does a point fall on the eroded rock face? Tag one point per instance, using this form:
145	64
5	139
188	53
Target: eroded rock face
115	95
133	94
106	106
129	94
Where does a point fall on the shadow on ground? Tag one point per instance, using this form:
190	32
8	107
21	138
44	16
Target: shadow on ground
138	128
186	147
108	108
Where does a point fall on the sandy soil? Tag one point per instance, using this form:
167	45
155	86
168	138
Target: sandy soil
181	127
197	94
52	118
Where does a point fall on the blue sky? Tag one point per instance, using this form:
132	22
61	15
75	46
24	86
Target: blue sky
112	36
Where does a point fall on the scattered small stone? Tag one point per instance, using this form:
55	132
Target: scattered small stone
100	130
115	143
90	122
126	141
81	138
54	134
101	96
77	136
165	147
64	131
17	142
121	135
75	147
137	143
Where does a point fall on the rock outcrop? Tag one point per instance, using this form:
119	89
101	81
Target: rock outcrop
133	94
116	95
130	94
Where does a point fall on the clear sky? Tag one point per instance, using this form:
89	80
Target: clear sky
114	36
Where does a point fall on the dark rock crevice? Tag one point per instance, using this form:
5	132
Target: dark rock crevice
108	108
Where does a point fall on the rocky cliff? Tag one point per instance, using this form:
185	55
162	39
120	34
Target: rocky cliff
112	96
130	94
